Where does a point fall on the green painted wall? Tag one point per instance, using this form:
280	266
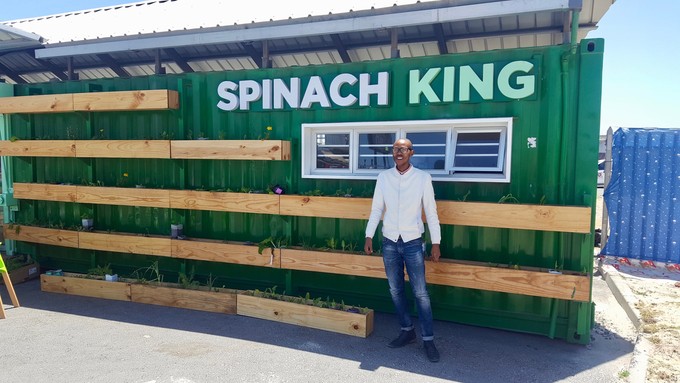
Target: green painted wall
563	116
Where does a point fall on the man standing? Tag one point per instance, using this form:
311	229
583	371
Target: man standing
402	194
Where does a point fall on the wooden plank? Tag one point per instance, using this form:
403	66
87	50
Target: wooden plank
48	103
571	219
123	149
329	207
333	263
45	192
223	301
38	148
123	196
217	251
95	288
56	237
230	149
507	280
223	201
123	243
159	99
342	322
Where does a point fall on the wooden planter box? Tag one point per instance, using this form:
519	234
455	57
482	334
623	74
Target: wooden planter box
343	322
124	243
333	263
157	99
166	294
218	251
123	196
122	149
45	192
231	149
222	301
224	201
48	103
38	148
77	284
55	237
329	207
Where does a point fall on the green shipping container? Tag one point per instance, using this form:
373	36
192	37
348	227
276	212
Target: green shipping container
539	108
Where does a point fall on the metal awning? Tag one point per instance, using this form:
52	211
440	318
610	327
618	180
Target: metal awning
96	45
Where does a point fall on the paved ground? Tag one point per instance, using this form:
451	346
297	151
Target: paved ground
62	338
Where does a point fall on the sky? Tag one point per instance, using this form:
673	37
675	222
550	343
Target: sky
642	46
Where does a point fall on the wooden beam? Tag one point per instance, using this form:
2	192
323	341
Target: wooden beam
333	263
122	243
94	288
123	196
219	251
35	148
223	302
570	219
159	99
394	43
55	237
49	103
122	149
224	201
45	192
329	207
230	149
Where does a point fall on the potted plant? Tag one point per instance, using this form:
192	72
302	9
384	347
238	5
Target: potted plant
176	230
87	221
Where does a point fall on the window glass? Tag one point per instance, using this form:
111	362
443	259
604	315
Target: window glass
375	150
429	148
332	150
477	150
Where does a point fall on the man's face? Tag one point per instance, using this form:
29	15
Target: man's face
402	152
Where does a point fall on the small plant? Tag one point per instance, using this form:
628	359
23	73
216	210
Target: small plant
187	281
315	192
343	192
152	271
465	197
328	303
331	243
100	135
270	243
509	198
123	180
100	271
14	139
267	132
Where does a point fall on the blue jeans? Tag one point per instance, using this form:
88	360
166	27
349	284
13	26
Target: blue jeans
396	255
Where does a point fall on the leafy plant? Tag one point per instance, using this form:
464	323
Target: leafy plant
509	198
270	243
152	271
187	281
100	271
315	192
328	303
332	243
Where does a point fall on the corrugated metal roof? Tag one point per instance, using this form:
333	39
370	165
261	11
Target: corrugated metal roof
167	34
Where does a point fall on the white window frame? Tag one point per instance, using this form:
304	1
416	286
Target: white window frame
453	127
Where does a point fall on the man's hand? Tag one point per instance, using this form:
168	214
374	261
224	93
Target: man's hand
368	246
436	253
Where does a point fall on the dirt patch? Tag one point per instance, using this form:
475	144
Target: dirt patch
657	291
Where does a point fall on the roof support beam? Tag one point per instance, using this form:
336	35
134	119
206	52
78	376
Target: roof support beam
252	52
266	60
111	63
14	76
441	40
179	60
72	75
158	67
394	43
340	47
55	69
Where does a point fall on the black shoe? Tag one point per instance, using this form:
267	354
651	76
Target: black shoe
404	338
431	351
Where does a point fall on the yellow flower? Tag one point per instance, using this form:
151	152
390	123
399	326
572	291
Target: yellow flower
270	128
125	174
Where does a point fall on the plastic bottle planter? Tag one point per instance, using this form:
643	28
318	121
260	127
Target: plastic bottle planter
88	223
176	231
